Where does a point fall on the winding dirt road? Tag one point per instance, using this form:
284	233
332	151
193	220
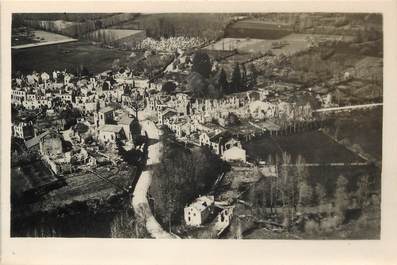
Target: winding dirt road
139	200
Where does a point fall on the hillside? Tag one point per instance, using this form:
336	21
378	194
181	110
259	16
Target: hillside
76	26
207	26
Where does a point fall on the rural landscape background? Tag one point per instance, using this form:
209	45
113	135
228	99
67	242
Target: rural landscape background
265	125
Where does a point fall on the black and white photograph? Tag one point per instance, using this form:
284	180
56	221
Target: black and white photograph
180	125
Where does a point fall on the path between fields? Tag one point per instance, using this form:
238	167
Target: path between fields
352	107
32	45
139	199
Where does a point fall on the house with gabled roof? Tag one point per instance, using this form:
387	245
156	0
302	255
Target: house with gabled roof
110	133
219	142
164	117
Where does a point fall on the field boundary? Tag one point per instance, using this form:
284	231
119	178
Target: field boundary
32	45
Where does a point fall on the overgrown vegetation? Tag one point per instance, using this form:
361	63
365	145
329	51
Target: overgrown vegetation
206	26
203	82
180	177
126	224
308	211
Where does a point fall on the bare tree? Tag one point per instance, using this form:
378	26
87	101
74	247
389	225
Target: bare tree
320	193
341	195
362	192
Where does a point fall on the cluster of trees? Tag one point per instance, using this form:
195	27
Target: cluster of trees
242	79
70	115
318	66
72	17
103	36
14	112
205	26
368	34
168	87
24	158
80	25
127	224
152	65
205	84
292	191
180	177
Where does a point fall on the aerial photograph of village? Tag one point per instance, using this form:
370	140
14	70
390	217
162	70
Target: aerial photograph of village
196	125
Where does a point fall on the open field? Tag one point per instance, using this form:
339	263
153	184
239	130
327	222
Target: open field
67	56
217	54
320	65
315	147
367	68
258	29
293	43
83	186
360	128
46	36
43	38
327	176
357	92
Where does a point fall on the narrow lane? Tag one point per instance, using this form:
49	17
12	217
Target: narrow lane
139	200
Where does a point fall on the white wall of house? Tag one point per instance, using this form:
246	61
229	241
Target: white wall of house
197	213
234	154
192	216
107	137
204	139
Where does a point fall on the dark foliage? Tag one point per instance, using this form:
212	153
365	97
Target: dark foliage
236	82
181	176
168	87
202	64
70	116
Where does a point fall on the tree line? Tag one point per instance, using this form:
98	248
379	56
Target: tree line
180	177
292	191
206	83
